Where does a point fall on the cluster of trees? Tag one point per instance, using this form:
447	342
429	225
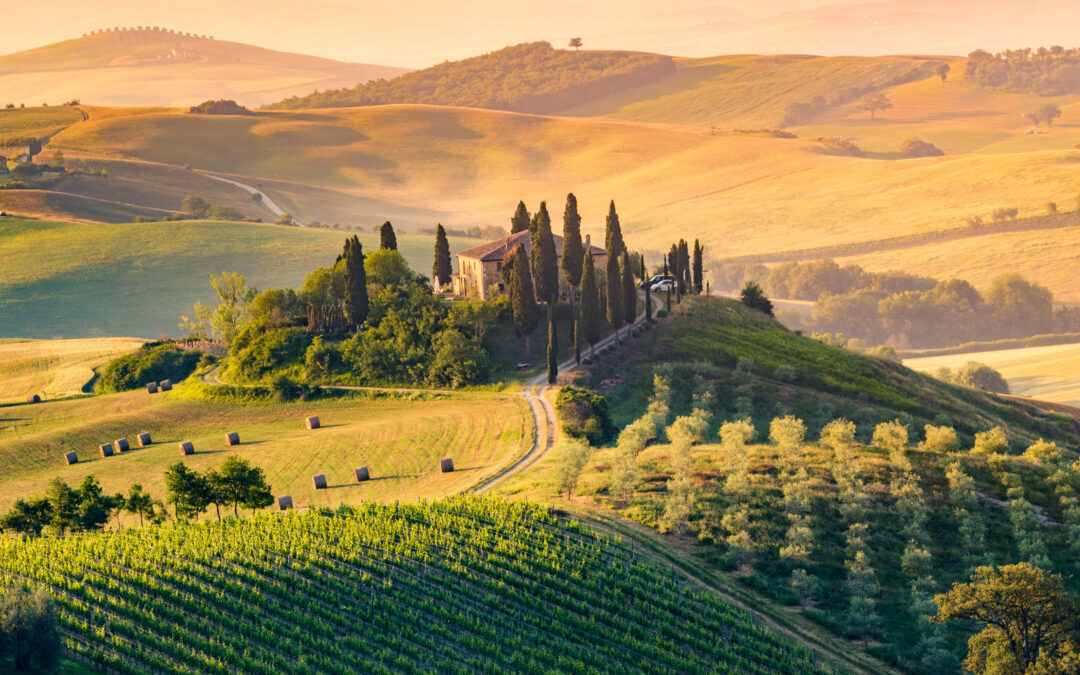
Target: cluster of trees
584	414
1046	72
975	374
531	77
474	232
152	362
1045	114
29	631
799	112
197	207
236	483
220	107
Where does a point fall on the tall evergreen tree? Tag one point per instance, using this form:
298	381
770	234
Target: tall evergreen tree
673	264
356	296
648	294
522	300
698	266
573	256
589	316
387	238
614	294
629	290
613	240
520	221
544	259
442	269
540	219
553	350
684	267
577	340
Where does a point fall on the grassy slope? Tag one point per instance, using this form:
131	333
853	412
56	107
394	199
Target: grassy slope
54	368
61	279
401	439
34	121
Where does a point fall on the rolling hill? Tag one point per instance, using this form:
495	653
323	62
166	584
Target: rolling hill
151	66
55	368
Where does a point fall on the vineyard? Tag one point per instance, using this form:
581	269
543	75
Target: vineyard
459	585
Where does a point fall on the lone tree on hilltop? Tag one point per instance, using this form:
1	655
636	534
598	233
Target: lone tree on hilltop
942	71
356	295
522	300
575	43
442	269
387	238
590	303
875	102
521	220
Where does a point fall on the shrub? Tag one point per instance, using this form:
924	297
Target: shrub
153	361
786	373
457	360
841	144
271	350
584	415
661	313
224	213
915	147
991	442
940	439
981	376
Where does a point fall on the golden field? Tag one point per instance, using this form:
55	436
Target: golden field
55	368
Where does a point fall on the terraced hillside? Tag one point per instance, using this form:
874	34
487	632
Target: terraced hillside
460	585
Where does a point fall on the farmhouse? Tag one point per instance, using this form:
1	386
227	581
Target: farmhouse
480	267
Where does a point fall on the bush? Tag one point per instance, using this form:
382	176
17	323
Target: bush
584	415
286	390
981	376
271	350
661	313
915	147
153	362
220	107
457	360
786	373
224	213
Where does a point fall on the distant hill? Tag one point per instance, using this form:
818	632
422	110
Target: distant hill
154	66
532	77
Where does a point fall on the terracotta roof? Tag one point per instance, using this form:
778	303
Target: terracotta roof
497	250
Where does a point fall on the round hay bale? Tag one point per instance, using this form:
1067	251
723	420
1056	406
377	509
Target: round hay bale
312	422
446	465
166	385
232	438
106	449
121	445
151	387
33	398
144	439
362	474
319	480
187	448
71	458
284	502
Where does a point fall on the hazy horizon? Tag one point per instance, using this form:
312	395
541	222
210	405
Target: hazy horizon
419	33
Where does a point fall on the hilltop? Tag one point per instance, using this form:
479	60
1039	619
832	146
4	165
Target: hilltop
157	66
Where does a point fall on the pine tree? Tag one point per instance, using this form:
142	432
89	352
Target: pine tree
589	316
356	296
648	294
519	222
698	266
614	294
613	240
629	298
573	256
552	350
442	269
387	238
544	259
522	300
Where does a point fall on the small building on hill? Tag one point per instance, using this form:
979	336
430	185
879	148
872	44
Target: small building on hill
480	267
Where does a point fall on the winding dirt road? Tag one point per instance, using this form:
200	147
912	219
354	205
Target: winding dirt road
265	200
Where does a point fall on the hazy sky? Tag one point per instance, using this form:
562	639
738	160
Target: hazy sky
417	33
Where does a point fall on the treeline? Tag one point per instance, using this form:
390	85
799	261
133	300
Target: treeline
1046	72
798	112
530	77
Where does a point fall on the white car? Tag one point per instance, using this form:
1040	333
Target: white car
663	286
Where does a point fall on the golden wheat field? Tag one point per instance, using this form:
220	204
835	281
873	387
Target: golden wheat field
54	368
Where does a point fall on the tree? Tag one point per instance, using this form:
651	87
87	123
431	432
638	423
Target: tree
575	43
387	238
29	632
195	206
753	297
613	240
573	250
1029	618
476	317
387	267
442	269
33	147
28	518
981	376
186	490
589	316
673	264
684	279
239	483
522	300
521	220
1048	113
545	260
139	502
573	453
614	293
95	508
63	506
874	102
629	291
552	350
58	158
698	266
356	295
648	294
942	71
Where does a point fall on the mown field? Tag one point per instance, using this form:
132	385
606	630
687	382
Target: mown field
137	279
400	437
54	368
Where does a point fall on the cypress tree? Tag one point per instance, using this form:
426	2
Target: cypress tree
614	294
387	238
629	294
540	219
589	317
669	301
684	267
553	351
519	222
648	294
442	269
698	266
573	256
522	300
577	340
356	297
673	262
545	261
641	267
613	240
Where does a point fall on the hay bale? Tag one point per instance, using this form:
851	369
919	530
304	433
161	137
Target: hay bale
284	502
166	385
187	448
151	387
144	439
320	481
71	458
446	465
33	398
362	474
106	449
312	422
121	445
232	438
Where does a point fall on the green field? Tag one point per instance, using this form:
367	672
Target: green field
61	279
54	368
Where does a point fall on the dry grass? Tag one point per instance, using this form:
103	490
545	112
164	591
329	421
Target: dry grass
54	368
